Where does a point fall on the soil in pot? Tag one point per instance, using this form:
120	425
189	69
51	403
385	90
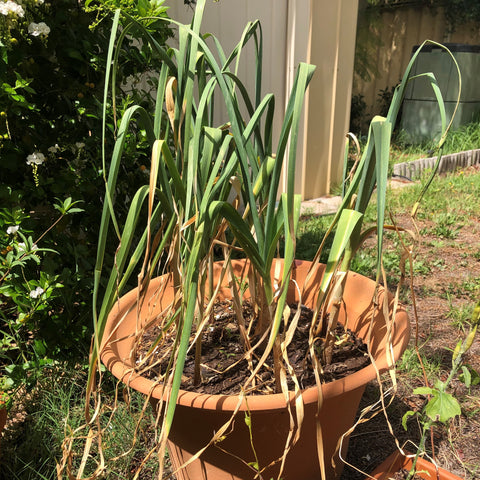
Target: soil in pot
224	368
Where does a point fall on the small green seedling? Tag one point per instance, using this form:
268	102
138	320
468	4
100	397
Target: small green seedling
443	406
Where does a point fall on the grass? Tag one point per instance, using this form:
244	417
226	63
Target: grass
450	198
31	447
410	364
459	315
446	208
467	137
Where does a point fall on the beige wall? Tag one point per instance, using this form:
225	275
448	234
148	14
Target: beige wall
399	30
227	19
321	32
333	29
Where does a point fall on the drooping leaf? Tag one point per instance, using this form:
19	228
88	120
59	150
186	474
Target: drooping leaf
442	407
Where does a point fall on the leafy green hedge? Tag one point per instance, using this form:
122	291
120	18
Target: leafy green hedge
52	65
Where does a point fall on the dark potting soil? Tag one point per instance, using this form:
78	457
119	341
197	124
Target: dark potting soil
403	474
224	370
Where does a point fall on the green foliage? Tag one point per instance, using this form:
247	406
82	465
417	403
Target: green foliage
311	231
457	12
442	406
52	64
468	288
460	12
32	448
27	297
136	10
410	364
466	137
365	263
450	198
195	165
459	315
446	225
469	376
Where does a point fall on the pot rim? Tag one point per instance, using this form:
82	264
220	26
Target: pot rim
398	460
125	373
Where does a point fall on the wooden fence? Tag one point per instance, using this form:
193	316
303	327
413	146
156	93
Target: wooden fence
390	38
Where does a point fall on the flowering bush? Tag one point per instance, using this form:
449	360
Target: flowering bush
52	63
26	294
10	8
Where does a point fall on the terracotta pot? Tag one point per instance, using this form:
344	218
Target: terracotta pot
425	469
198	416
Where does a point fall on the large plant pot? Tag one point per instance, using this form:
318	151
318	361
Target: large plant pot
397	462
198	416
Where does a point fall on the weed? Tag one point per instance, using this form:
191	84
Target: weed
447	225
365	264
410	366
421	267
468	288
459	315
439	263
436	243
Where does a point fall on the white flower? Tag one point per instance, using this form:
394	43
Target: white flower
12	229
11	7
79	145
36	158
54	149
23	248
37	292
38	29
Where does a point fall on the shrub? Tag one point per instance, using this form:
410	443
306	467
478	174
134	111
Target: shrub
52	64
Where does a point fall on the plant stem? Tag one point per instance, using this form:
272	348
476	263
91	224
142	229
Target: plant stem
421	448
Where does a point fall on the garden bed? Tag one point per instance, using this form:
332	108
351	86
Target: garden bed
446	286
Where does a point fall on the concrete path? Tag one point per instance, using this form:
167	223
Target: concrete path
329	204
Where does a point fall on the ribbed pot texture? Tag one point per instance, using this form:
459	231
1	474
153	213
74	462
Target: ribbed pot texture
199	416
